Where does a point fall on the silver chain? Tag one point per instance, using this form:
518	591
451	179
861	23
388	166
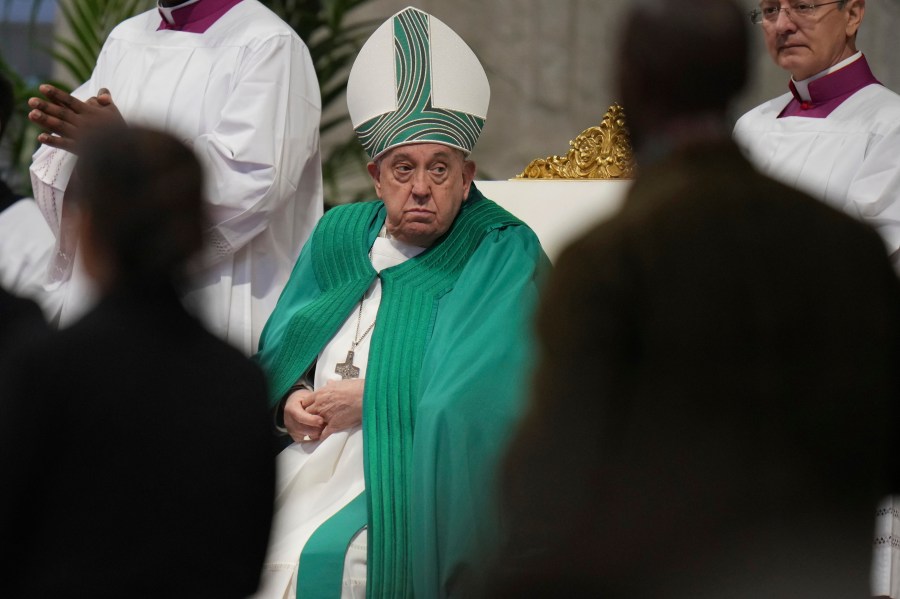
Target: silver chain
357	341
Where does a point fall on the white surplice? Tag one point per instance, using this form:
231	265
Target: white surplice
245	97
849	159
317	479
26	244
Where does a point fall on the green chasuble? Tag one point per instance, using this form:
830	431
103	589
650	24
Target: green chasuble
448	364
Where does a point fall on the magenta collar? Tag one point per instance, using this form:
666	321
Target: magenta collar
830	91
197	17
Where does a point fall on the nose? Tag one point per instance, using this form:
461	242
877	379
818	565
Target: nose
421	188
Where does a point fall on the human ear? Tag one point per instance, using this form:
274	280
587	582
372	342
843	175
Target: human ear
375	173
468	174
856	9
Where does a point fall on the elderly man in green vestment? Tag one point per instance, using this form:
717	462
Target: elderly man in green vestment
398	350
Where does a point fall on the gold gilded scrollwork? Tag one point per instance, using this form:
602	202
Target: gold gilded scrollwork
602	152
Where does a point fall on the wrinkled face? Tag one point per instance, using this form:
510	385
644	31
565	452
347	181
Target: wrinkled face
806	45
423	187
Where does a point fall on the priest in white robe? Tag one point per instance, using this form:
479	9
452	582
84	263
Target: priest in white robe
235	83
836	135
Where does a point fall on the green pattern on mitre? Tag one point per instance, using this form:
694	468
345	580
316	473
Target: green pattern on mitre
416	119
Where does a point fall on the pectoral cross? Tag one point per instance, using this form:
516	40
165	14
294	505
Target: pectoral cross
346	369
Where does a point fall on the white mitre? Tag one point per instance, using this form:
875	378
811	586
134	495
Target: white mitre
416	81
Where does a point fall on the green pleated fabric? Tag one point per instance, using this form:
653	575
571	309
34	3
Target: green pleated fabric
410	293
335	265
331	275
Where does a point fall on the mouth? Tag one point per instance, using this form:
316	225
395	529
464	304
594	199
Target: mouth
419	214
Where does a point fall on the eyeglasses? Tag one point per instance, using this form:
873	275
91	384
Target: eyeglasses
800	10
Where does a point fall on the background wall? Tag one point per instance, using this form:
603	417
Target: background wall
551	67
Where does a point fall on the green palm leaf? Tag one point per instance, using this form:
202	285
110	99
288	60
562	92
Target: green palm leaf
90	22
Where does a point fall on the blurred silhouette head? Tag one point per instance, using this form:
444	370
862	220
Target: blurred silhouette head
141	198
679	61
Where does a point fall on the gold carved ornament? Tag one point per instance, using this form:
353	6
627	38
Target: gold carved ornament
602	152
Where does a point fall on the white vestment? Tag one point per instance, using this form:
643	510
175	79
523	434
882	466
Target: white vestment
26	244
244	95
317	479
849	159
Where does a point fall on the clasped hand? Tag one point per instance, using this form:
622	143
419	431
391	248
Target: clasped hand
64	118
315	415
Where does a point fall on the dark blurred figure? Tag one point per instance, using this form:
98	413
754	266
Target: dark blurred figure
135	447
20	321
718	364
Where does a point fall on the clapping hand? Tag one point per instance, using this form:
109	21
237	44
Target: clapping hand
64	118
